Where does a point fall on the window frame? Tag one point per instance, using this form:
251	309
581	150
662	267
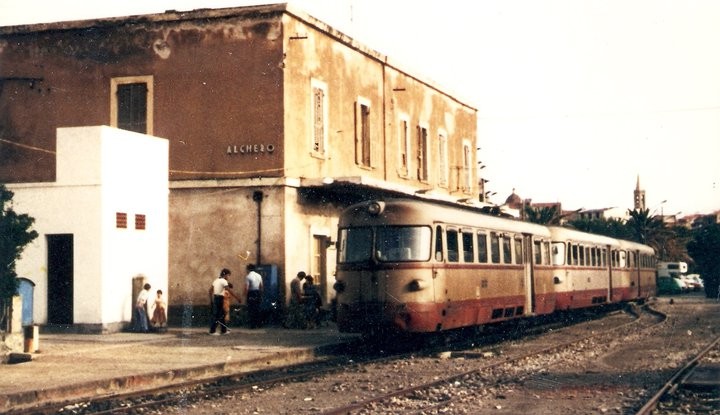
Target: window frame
148	80
319	146
363	133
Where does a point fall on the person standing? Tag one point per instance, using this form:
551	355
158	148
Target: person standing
253	296
141	318
217	291
159	318
228	295
296	314
312	303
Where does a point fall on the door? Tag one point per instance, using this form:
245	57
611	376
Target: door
527	258
60	278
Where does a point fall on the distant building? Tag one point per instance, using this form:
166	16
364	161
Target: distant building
604	213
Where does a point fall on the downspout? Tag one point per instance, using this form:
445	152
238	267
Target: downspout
258	198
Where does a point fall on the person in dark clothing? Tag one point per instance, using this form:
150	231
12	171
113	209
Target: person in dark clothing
312	302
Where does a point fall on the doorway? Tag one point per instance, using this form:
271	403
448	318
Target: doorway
60	278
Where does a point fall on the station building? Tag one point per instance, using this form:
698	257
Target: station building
275	122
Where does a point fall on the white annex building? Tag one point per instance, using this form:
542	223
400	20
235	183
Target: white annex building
102	225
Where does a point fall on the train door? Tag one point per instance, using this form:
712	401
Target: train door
60	270
608	267
527	258
634	263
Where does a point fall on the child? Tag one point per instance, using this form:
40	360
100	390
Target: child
159	319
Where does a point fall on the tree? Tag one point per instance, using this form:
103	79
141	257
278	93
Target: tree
15	234
703	249
644	227
546	215
612	227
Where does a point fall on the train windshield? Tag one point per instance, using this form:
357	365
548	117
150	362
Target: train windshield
390	244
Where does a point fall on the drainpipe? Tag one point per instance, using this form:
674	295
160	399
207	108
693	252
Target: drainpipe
258	198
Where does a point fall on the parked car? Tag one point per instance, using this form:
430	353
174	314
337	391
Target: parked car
694	282
671	285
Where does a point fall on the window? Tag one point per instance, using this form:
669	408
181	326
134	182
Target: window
354	245
537	248
422	155
140	222
442	159
558	250
403	147
468	247
121	220
518	251
452	245
403	243
482	247
131	103
362	133
466	167
495	248
319	117
438	244
546	255
507	252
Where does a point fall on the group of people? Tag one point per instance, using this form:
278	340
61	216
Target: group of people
221	292
305	303
159	316
303	312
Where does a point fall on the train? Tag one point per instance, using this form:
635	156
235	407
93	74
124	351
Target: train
416	266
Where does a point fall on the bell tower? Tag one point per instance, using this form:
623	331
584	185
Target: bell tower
639	196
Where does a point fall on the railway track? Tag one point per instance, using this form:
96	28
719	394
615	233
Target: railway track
343	360
452	393
693	389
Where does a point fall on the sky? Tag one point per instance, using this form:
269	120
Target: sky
575	98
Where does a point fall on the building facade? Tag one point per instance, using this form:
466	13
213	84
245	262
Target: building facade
275	122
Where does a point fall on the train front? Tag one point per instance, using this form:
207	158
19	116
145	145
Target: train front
384	270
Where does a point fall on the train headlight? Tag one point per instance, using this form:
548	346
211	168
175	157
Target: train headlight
339	286
417	285
376	208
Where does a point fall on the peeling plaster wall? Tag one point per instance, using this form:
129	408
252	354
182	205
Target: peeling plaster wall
217	83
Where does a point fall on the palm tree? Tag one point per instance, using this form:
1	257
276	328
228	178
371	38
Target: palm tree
644	227
547	215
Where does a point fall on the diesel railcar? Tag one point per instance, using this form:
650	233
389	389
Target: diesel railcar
414	266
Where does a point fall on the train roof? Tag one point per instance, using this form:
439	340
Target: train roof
566	234
406	211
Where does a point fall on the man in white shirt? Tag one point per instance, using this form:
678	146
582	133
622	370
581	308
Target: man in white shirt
253	295
141	320
217	290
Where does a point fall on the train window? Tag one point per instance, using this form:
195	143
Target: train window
558	251
518	251
403	243
546	255
575	255
621	259
482	247
438	244
507	252
468	247
603	257
355	244
537	252
581	257
495	247
452	245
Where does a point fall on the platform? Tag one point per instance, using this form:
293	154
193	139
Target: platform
71	366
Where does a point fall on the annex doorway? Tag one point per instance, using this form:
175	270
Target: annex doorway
60	278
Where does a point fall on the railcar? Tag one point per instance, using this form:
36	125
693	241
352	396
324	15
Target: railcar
414	266
593	269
